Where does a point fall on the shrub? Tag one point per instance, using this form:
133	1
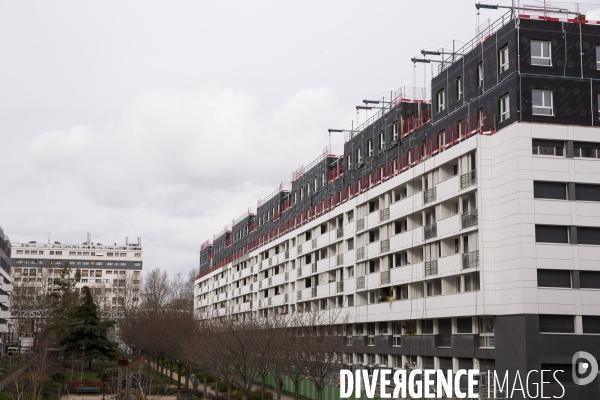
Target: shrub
253	395
59	377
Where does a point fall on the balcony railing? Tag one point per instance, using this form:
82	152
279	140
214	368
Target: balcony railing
314	243
360	282
469	219
471	260
430	195
287	276
468	179
313	292
385	245
340	259
286	298
270	281
299	249
360	253
340	233
360	224
270	301
431	268
431	231
260	285
314	267
299	295
384	214
385	277
299	273
287	254
340	287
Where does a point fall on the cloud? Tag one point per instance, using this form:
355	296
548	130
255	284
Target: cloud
177	165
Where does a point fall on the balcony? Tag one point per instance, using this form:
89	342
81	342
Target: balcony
471	260
299	249
385	277
340	259
313	292
431	268
298	295
299	272
287	254
313	267
360	253
339	287
314	243
469	219
430	231
360	224
385	245
384	214
340	233
468	179
429	195
360	282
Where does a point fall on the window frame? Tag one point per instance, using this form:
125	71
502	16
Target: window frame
503	59
547	58
382	139
359	155
441	100
480	75
370	147
459	88
504	114
543	106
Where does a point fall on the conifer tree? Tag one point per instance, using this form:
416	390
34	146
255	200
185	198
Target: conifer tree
87	336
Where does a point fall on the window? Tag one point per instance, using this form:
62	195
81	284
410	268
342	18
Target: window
541	101
316	182
381	140
301	193
587	192
486	332
549	190
427	326
503	59
586	235
589	279
591	324
586	149
359	155
459	88
547	147
370	147
350	244
441	101
395	129
349	161
540	53
551	234
598	58
479	75
504	107
464	325
557	323
323	182
556	278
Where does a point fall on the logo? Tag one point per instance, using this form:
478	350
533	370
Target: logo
588	367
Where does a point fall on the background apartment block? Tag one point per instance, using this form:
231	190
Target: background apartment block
461	232
112	272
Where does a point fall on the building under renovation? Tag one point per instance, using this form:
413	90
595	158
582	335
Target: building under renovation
460	228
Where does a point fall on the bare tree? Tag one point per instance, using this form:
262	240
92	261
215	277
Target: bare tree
156	289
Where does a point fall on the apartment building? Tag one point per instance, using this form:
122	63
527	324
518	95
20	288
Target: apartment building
112	272
5	281
458	232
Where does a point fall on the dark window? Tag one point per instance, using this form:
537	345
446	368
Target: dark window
587	192
589	279
564	376
557	323
428	362
549	190
591	324
427	326
587	235
554	278
551	234
548	147
446	363
585	149
465	363
464	325
445	335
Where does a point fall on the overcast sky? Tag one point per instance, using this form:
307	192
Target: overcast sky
167	120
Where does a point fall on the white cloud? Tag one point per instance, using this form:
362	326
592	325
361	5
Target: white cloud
175	168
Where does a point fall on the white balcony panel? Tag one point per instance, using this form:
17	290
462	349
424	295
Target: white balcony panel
448	189
449	226
449	265
372	249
